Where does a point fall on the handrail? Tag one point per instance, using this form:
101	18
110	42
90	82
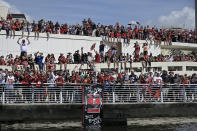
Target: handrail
117	84
113	93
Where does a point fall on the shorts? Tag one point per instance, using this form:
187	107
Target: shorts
102	53
113	52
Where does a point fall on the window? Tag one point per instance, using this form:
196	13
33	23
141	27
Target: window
175	68
191	68
157	69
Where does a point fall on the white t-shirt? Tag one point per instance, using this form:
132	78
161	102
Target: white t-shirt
158	80
90	59
23	46
10	79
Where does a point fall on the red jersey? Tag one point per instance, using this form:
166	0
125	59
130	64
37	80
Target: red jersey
118	35
112	34
62	59
136	31
124	35
13	27
60	81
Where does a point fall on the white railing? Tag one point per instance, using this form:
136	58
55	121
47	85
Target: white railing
119	93
45	93
128	93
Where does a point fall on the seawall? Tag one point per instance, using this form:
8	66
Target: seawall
111	112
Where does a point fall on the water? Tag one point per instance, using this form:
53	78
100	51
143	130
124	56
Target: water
136	124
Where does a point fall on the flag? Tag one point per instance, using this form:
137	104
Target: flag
157	93
149	89
93	46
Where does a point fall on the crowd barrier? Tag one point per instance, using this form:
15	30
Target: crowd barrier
117	93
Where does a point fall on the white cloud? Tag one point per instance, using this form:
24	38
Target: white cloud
13	9
184	17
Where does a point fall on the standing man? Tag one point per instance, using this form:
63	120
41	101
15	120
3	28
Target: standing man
39	60
101	50
63	61
23	46
10	87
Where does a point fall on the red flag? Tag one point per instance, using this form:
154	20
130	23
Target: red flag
157	93
149	89
93	46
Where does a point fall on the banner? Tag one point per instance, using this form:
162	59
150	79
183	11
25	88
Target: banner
92	106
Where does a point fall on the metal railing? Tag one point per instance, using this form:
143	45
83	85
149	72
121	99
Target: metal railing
131	93
36	93
119	93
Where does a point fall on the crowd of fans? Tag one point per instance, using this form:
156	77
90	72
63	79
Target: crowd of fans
30	77
36	79
108	32
47	72
92	77
110	57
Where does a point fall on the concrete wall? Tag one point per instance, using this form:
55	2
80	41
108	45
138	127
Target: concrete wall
3	12
34	112
113	112
69	112
56	44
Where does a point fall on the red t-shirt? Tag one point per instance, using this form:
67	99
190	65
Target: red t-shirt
118	35
59	80
112	34
124	35
63	59
2	62
13	27
136	31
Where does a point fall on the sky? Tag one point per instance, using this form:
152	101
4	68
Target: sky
147	12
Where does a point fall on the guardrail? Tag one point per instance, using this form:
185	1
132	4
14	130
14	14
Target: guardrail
119	93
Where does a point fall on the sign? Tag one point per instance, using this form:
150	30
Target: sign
92	106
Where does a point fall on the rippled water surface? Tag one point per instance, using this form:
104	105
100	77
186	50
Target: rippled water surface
136	124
